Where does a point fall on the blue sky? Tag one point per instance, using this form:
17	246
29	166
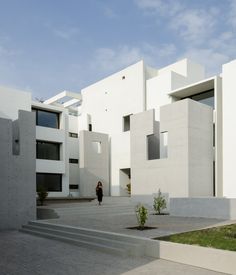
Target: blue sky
49	46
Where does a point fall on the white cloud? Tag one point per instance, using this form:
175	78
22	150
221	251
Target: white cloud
195	26
109	13
109	60
162	7
232	14
66	33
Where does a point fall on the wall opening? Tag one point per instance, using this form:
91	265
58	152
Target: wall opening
125	178
126	123
152	147
97	146
163	145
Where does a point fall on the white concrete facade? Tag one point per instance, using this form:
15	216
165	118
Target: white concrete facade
130	110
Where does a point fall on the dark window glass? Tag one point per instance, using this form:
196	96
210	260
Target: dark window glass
46	118
205	98
90	127
73	161
73	135
50	182
126	123
74	186
47	150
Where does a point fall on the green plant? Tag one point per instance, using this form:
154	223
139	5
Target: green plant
142	215
159	203
42	194
128	188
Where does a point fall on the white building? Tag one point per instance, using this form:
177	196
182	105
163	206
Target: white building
168	128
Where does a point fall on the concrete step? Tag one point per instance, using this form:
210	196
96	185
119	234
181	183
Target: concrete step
127	245
103	248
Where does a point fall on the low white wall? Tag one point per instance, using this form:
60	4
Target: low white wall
204	257
218	208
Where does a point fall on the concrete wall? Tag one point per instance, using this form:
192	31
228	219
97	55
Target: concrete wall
12	101
59	136
218	208
188	168
94	163
17	181
229	126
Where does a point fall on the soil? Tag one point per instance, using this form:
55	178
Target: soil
142	228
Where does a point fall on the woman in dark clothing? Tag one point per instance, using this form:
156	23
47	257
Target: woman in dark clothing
99	192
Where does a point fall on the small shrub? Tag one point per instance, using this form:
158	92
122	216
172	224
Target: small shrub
159	203
142	215
128	188
42	194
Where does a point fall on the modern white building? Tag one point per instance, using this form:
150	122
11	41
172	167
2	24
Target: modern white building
169	128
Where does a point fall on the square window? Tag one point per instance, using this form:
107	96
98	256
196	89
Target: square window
97	146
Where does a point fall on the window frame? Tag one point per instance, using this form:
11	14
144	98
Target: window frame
49	142
47	111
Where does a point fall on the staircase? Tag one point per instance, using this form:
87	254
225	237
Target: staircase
100	240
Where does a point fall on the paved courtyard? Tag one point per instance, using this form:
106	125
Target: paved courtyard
23	254
117	214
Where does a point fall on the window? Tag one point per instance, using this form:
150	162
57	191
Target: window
47	150
73	161
73	135
50	182
90	127
123	77
126	123
97	146
46	118
74	186
152	147
206	97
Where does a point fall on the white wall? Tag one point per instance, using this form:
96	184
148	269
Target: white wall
229	129
107	101
187	170
55	135
12	101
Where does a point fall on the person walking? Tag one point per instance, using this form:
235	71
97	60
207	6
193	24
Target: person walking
99	192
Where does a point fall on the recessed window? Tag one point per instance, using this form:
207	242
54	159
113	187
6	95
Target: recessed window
90	127
73	135
163	145
50	182
47	150
126	123
97	146
74	186
73	161
46	118
123	77
152	147
206	97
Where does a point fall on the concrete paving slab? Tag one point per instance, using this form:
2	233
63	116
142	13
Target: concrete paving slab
23	254
116	215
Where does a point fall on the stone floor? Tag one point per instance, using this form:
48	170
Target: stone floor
117	214
23	254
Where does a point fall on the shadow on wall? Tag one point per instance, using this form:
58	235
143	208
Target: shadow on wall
88	183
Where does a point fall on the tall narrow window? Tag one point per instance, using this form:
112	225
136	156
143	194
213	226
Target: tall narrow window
126	123
163	145
90	127
152	147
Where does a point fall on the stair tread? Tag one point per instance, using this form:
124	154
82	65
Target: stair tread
83	235
77	241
